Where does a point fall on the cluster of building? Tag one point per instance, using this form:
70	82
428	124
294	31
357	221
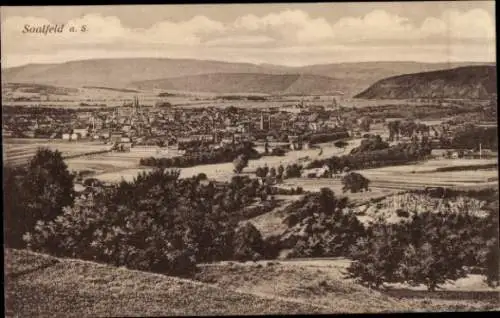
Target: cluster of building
133	123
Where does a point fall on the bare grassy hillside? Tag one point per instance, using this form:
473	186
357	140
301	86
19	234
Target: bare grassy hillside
44	286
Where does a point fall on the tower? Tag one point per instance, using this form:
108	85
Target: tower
136	104
334	103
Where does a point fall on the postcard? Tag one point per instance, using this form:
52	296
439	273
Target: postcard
250	159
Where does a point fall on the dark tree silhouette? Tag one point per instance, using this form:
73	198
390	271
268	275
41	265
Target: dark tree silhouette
38	192
240	163
354	182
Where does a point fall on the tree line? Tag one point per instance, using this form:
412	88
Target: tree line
223	154
326	137
365	157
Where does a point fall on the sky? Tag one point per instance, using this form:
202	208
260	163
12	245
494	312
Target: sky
286	34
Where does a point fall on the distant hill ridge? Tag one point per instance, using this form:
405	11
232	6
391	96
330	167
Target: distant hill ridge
468	82
246	82
350	78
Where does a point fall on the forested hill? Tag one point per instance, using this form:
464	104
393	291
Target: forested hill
468	82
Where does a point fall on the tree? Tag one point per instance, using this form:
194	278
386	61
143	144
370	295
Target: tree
340	144
272	172
370	144
41	192
354	182
489	253
376	256
248	243
423	264
436	252
320	226
258	172
240	163
281	170
365	123
394	129
265	171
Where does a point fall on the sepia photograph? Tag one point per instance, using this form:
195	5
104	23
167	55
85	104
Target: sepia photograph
250	159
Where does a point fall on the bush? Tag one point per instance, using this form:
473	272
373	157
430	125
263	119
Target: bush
248	243
354	182
239	163
402	213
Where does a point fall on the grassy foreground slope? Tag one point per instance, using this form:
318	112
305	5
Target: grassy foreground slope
44	286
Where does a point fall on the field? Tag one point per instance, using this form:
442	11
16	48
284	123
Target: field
20	151
112	167
115	166
426	174
112	163
389	180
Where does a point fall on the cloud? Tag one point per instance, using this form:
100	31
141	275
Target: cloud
288	25
473	24
241	40
108	29
463	34
453	25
